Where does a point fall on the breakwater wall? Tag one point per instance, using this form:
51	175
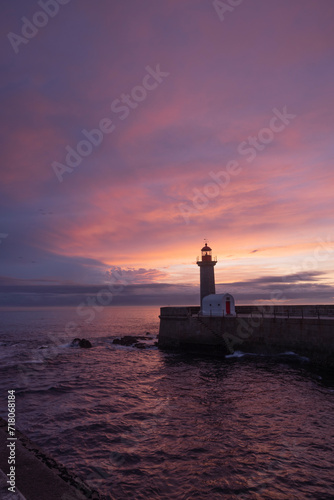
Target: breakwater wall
37	475
253	330
305	311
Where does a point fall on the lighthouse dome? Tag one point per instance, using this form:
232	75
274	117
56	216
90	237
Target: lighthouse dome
206	248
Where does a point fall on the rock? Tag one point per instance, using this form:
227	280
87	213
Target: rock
84	343
140	345
131	340
127	340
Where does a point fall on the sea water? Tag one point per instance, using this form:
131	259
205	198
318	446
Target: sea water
147	424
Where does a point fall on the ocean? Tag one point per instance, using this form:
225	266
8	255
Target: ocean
147	424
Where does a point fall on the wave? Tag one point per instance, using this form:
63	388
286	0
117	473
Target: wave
240	354
294	354
287	354
50	389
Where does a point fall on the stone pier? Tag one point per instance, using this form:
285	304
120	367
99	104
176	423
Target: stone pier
305	330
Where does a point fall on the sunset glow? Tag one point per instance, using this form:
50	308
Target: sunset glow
226	134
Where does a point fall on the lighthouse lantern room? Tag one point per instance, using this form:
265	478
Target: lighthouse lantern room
206	253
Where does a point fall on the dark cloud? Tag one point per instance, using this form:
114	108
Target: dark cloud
73	295
135	276
304	276
302	289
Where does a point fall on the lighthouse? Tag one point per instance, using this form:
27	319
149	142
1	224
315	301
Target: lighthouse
207	274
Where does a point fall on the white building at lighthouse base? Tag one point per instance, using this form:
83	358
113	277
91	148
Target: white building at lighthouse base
218	304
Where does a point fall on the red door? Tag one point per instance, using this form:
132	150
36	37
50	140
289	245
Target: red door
228	306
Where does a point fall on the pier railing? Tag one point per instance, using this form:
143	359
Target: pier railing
287	311
265	311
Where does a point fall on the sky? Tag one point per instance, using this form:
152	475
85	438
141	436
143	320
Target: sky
133	131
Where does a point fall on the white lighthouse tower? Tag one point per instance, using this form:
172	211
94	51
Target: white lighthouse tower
212	304
207	274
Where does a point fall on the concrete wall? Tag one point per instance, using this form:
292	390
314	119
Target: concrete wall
289	310
181	327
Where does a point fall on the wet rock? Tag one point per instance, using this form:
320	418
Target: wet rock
84	343
140	345
128	340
